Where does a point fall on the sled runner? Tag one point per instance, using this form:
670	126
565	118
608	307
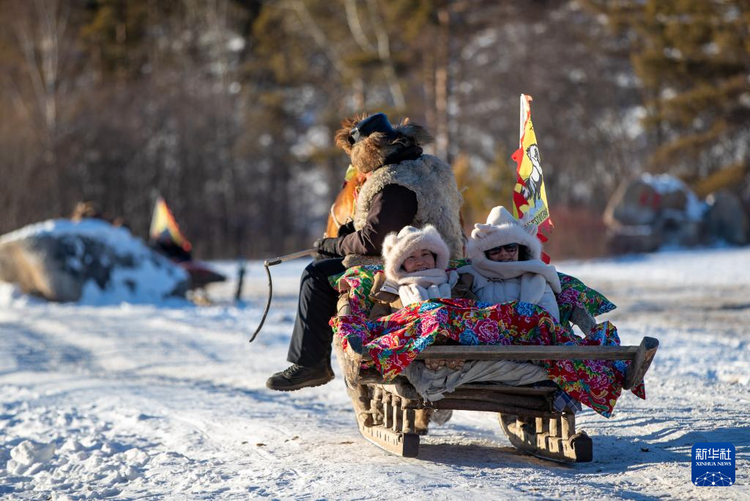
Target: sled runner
389	413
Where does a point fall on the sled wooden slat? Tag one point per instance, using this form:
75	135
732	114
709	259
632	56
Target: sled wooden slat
401	444
516	352
641	362
525	401
549	437
510	390
486	406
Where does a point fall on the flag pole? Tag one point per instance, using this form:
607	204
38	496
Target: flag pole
522	108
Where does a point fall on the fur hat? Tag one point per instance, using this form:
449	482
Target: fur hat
502	229
369	140
397	247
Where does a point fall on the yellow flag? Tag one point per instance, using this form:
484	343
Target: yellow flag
164	226
529	194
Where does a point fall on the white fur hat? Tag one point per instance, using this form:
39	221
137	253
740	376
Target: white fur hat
397	247
502	229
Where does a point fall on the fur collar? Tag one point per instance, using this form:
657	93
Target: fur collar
379	149
501	229
398	246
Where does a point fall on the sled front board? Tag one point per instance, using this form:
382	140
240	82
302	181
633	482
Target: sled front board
552	438
385	437
641	362
401	444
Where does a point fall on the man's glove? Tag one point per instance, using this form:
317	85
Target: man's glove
326	248
346	229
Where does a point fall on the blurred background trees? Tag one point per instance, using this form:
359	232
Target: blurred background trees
227	108
692	60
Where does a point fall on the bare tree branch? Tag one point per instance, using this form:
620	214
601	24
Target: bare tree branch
352	19
320	38
384	52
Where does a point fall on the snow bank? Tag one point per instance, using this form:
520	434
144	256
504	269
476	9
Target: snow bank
689	268
90	262
83	458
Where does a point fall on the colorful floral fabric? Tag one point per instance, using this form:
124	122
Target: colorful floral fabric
357	282
393	342
574	292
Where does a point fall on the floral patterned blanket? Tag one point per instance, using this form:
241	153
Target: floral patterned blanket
393	342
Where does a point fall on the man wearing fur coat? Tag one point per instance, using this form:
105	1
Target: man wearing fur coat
403	187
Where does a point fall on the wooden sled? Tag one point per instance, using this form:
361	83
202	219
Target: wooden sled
388	413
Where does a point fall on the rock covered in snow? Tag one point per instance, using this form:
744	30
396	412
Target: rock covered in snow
650	211
649	198
89	261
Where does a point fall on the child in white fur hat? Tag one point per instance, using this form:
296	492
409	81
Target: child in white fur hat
506	263
415	263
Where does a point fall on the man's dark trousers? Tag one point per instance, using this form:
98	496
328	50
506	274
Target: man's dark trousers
312	336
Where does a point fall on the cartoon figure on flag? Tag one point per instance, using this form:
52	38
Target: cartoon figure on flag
530	195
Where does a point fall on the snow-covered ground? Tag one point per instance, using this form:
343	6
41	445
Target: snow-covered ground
168	401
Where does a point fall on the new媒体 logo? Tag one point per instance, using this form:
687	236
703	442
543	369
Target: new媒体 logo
713	464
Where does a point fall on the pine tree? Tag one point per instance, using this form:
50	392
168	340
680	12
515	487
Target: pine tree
693	59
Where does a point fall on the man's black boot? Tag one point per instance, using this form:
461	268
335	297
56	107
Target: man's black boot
297	376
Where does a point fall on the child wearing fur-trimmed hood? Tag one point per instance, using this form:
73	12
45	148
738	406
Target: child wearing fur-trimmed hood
506	263
414	269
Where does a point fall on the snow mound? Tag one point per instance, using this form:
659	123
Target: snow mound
28	454
90	262
665	184
84	459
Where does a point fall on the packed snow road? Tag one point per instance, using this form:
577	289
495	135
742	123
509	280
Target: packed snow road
169	401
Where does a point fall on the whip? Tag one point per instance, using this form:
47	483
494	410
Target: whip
273	262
